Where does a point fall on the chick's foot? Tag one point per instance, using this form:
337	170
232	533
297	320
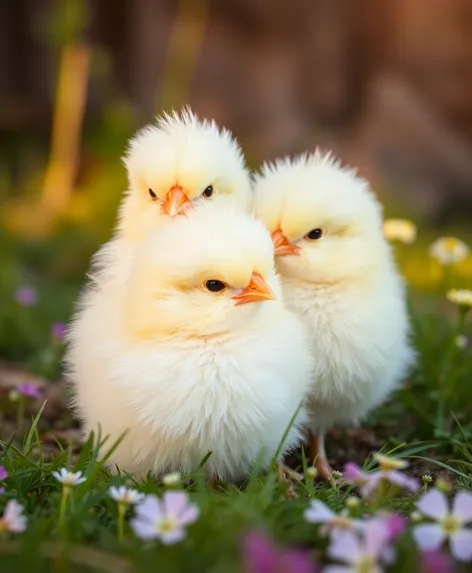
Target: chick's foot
318	454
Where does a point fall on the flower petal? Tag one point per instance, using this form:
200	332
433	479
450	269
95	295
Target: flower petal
175	502
144	528
433	504
428	536
318	512
150	509
402	480
260	555
174	536
296	561
371	484
338	569
354	473
345	547
462	506
189	515
376	536
461	545
436	562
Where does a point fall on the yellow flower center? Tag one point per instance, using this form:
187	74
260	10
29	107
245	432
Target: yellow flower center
387	463
167	524
450	244
340	521
450	524
366	564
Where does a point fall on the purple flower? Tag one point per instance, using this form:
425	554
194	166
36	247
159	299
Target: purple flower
436	562
58	330
369	482
448	524
29	390
396	525
26	296
166	518
260	555
367	551
3	473
333	523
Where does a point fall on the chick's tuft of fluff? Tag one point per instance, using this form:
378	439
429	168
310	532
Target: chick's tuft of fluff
184	368
182	151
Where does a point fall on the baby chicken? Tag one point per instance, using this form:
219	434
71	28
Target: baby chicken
178	162
338	274
195	354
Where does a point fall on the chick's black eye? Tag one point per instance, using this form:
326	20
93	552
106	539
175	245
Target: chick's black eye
208	191
314	234
215	286
153	195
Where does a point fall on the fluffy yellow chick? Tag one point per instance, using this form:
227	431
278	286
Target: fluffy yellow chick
196	354
179	161
338	274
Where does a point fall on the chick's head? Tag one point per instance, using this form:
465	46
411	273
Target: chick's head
206	273
176	163
326	223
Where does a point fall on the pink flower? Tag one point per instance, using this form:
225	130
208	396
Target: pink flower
12	519
448	524
365	552
26	296
333	523
369	482
58	330
166	518
260	555
29	390
3	473
436	562
396	525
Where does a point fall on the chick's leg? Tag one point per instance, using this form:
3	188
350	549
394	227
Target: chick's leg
318	454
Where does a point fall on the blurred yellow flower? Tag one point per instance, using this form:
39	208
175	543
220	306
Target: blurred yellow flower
401	230
461	297
448	250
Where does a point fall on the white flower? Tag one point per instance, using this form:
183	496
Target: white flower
172	478
400	230
461	341
166	518
12	519
461	297
69	479
448	524
448	250
333	523
125	495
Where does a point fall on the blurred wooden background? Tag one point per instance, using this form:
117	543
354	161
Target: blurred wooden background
387	84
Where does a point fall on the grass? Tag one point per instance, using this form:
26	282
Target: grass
428	421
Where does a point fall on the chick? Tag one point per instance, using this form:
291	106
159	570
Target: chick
196	354
338	274
180	161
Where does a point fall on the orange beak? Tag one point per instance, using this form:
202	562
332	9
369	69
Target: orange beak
282	245
256	291
176	202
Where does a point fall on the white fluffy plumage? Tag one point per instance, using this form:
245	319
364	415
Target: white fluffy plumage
184	370
342	281
170	164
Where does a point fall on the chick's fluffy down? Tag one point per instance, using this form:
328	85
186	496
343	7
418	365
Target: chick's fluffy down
185	392
344	285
